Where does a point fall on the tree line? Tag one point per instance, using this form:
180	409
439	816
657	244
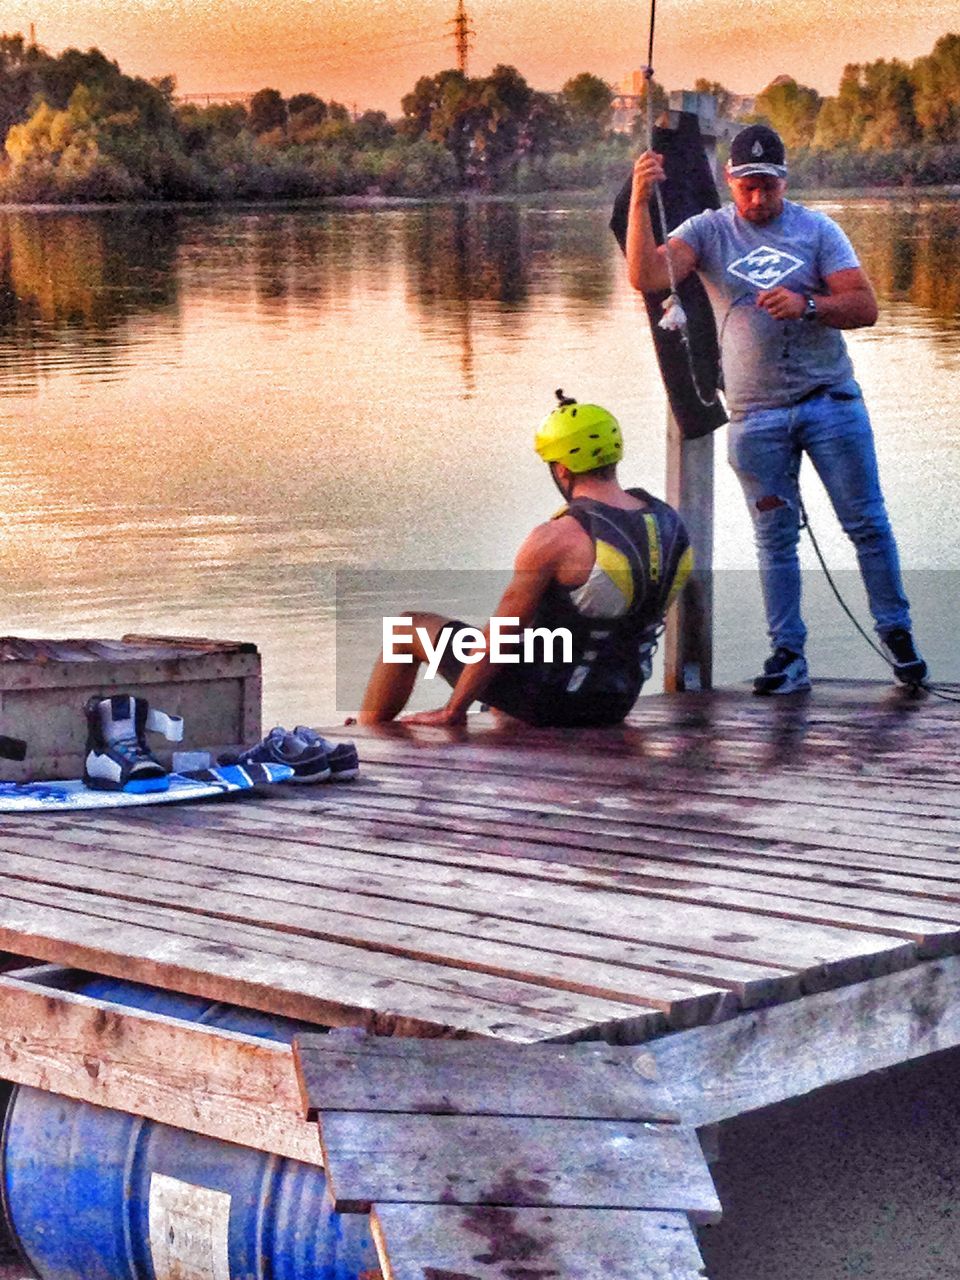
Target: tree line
889	122
75	127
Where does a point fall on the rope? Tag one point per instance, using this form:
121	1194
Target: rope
653	28
674	317
925	685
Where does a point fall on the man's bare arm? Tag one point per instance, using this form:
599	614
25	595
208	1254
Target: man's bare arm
646	260
533	570
849	303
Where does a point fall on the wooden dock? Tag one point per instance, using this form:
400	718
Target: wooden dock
764	893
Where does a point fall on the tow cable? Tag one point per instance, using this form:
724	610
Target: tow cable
925	685
674	318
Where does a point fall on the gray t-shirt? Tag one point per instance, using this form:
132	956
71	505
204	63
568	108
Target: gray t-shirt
768	363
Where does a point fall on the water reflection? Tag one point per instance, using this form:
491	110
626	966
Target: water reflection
203	414
96	271
79	276
912	254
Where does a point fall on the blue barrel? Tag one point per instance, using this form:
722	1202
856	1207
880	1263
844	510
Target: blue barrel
95	1194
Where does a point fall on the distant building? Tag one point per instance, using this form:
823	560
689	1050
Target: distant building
217	98
630	101
742	105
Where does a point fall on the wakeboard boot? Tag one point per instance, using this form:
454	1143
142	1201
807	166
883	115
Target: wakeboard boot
118	758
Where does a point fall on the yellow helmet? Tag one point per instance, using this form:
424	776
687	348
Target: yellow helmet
582	437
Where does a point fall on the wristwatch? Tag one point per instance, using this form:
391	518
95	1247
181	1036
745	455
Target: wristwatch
809	307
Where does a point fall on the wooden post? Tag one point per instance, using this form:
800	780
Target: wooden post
688	644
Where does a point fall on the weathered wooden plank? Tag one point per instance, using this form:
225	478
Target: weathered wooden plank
515	1162
401	832
565	860
447	1077
286	910
531	824
536	954
234	1087
768	1056
619	860
657	776
542	819
239	969
754	982
793	750
632	806
935	924
482	1242
835	953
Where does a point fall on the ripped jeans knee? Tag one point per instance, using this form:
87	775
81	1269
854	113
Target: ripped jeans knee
770	502
776	520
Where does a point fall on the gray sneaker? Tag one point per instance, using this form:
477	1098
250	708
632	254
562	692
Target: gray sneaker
307	760
783	672
342	757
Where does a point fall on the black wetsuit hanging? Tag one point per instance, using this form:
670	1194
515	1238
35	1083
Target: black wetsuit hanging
690	189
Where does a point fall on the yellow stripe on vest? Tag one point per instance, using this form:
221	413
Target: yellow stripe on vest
617	568
684	570
653	544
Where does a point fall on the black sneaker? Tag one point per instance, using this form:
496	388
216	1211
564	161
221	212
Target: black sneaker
307	760
342	757
783	672
908	666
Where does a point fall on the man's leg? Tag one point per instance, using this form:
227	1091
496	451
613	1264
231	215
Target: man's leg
837	435
764	454
391	683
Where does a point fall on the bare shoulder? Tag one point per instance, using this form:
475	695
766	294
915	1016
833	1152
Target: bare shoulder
547	543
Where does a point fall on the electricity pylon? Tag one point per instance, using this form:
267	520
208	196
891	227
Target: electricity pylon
463	34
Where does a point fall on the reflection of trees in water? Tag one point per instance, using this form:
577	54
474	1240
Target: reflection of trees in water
306	257
64	273
573	256
912	254
502	252
461	252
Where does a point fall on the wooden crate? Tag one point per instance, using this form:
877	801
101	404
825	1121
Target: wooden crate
215	685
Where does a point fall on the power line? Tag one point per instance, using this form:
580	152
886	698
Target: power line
345	58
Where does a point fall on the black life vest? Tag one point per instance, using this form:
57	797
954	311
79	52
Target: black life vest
643	559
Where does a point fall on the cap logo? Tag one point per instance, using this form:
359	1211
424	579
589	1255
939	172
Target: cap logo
757	148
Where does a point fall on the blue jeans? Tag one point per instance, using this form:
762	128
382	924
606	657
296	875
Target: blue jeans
765	447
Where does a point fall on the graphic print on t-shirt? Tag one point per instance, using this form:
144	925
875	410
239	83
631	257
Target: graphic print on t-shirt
765	267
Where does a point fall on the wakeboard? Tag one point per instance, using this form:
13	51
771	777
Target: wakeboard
690	189
72	795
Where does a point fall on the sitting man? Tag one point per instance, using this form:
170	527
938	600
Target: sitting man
605	568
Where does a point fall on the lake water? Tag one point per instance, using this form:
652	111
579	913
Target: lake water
207	414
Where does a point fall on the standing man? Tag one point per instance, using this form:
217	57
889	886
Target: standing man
784	280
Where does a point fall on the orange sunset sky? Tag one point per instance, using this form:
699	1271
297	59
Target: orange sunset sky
370	52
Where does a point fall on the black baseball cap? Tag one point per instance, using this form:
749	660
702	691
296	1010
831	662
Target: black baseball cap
757	149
